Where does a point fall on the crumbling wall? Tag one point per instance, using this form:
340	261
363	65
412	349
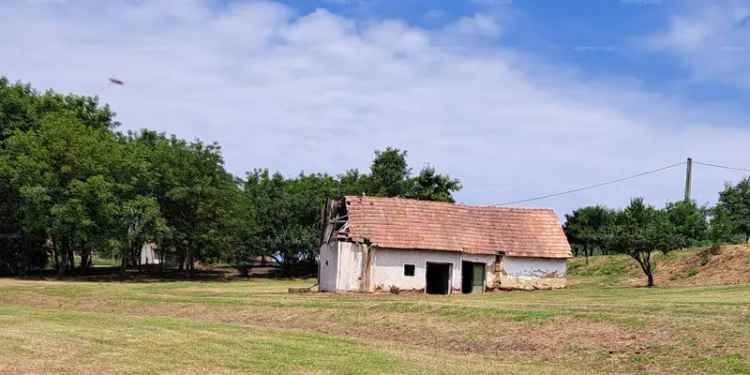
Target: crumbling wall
350	266
328	266
532	273
341	266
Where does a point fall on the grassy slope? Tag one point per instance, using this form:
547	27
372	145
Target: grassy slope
256	327
693	267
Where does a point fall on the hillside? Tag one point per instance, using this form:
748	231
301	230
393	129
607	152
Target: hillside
729	264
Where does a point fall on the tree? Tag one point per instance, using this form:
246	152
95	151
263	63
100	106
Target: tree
735	199
240	234
194	193
352	182
23	110
429	185
587	228
288	214
138	221
721	228
641	230
389	173
689	220
50	166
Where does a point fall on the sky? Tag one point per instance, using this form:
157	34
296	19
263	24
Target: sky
516	98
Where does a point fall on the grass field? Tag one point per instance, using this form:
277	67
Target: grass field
181	327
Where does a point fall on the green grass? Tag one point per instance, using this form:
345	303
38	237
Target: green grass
163	344
257	327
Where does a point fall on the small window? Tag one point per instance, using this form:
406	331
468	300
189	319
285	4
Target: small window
408	270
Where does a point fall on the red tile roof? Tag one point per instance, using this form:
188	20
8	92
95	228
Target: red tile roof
412	224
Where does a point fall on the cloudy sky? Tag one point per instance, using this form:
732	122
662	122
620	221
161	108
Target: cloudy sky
517	98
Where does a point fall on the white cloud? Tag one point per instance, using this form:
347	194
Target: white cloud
476	25
712	38
320	92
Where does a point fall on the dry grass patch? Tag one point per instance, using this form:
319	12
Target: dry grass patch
584	328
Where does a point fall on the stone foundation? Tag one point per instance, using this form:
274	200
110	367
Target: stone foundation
531	283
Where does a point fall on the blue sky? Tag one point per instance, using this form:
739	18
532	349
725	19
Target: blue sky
598	36
515	98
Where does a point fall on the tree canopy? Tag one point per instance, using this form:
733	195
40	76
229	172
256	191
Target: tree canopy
735	200
587	229
72	186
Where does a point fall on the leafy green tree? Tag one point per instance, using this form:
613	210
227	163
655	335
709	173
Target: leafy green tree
352	182
587	229
138	221
735	199
429	185
240	234
389	173
288	214
49	166
23	109
390	177
721	228
640	230
690	221
194	193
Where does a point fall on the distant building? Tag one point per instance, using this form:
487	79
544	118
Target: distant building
150	254
372	244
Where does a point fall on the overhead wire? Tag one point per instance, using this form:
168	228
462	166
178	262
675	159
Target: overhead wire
721	166
593	186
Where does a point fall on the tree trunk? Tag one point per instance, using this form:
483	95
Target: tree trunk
644	260
180	261
71	259
586	254
190	262
123	263
64	262
85	259
124	259
56	254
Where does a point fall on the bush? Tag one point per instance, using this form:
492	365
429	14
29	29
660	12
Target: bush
17	257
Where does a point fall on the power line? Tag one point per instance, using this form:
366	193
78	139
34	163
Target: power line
592	186
722	166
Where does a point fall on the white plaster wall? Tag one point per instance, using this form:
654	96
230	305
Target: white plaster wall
534	267
350	257
328	267
388	267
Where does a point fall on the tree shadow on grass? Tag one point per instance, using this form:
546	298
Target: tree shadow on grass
151	274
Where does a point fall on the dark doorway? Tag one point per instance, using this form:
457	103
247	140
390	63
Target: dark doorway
438	278
472	277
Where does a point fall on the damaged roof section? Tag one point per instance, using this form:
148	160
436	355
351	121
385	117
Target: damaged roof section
399	223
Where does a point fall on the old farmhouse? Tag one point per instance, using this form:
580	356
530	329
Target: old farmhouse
372	244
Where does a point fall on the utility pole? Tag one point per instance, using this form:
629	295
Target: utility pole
689	179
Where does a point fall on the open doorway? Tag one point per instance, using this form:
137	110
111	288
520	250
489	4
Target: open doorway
472	277
438	278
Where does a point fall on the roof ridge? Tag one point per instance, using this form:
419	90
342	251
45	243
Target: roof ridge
453	204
